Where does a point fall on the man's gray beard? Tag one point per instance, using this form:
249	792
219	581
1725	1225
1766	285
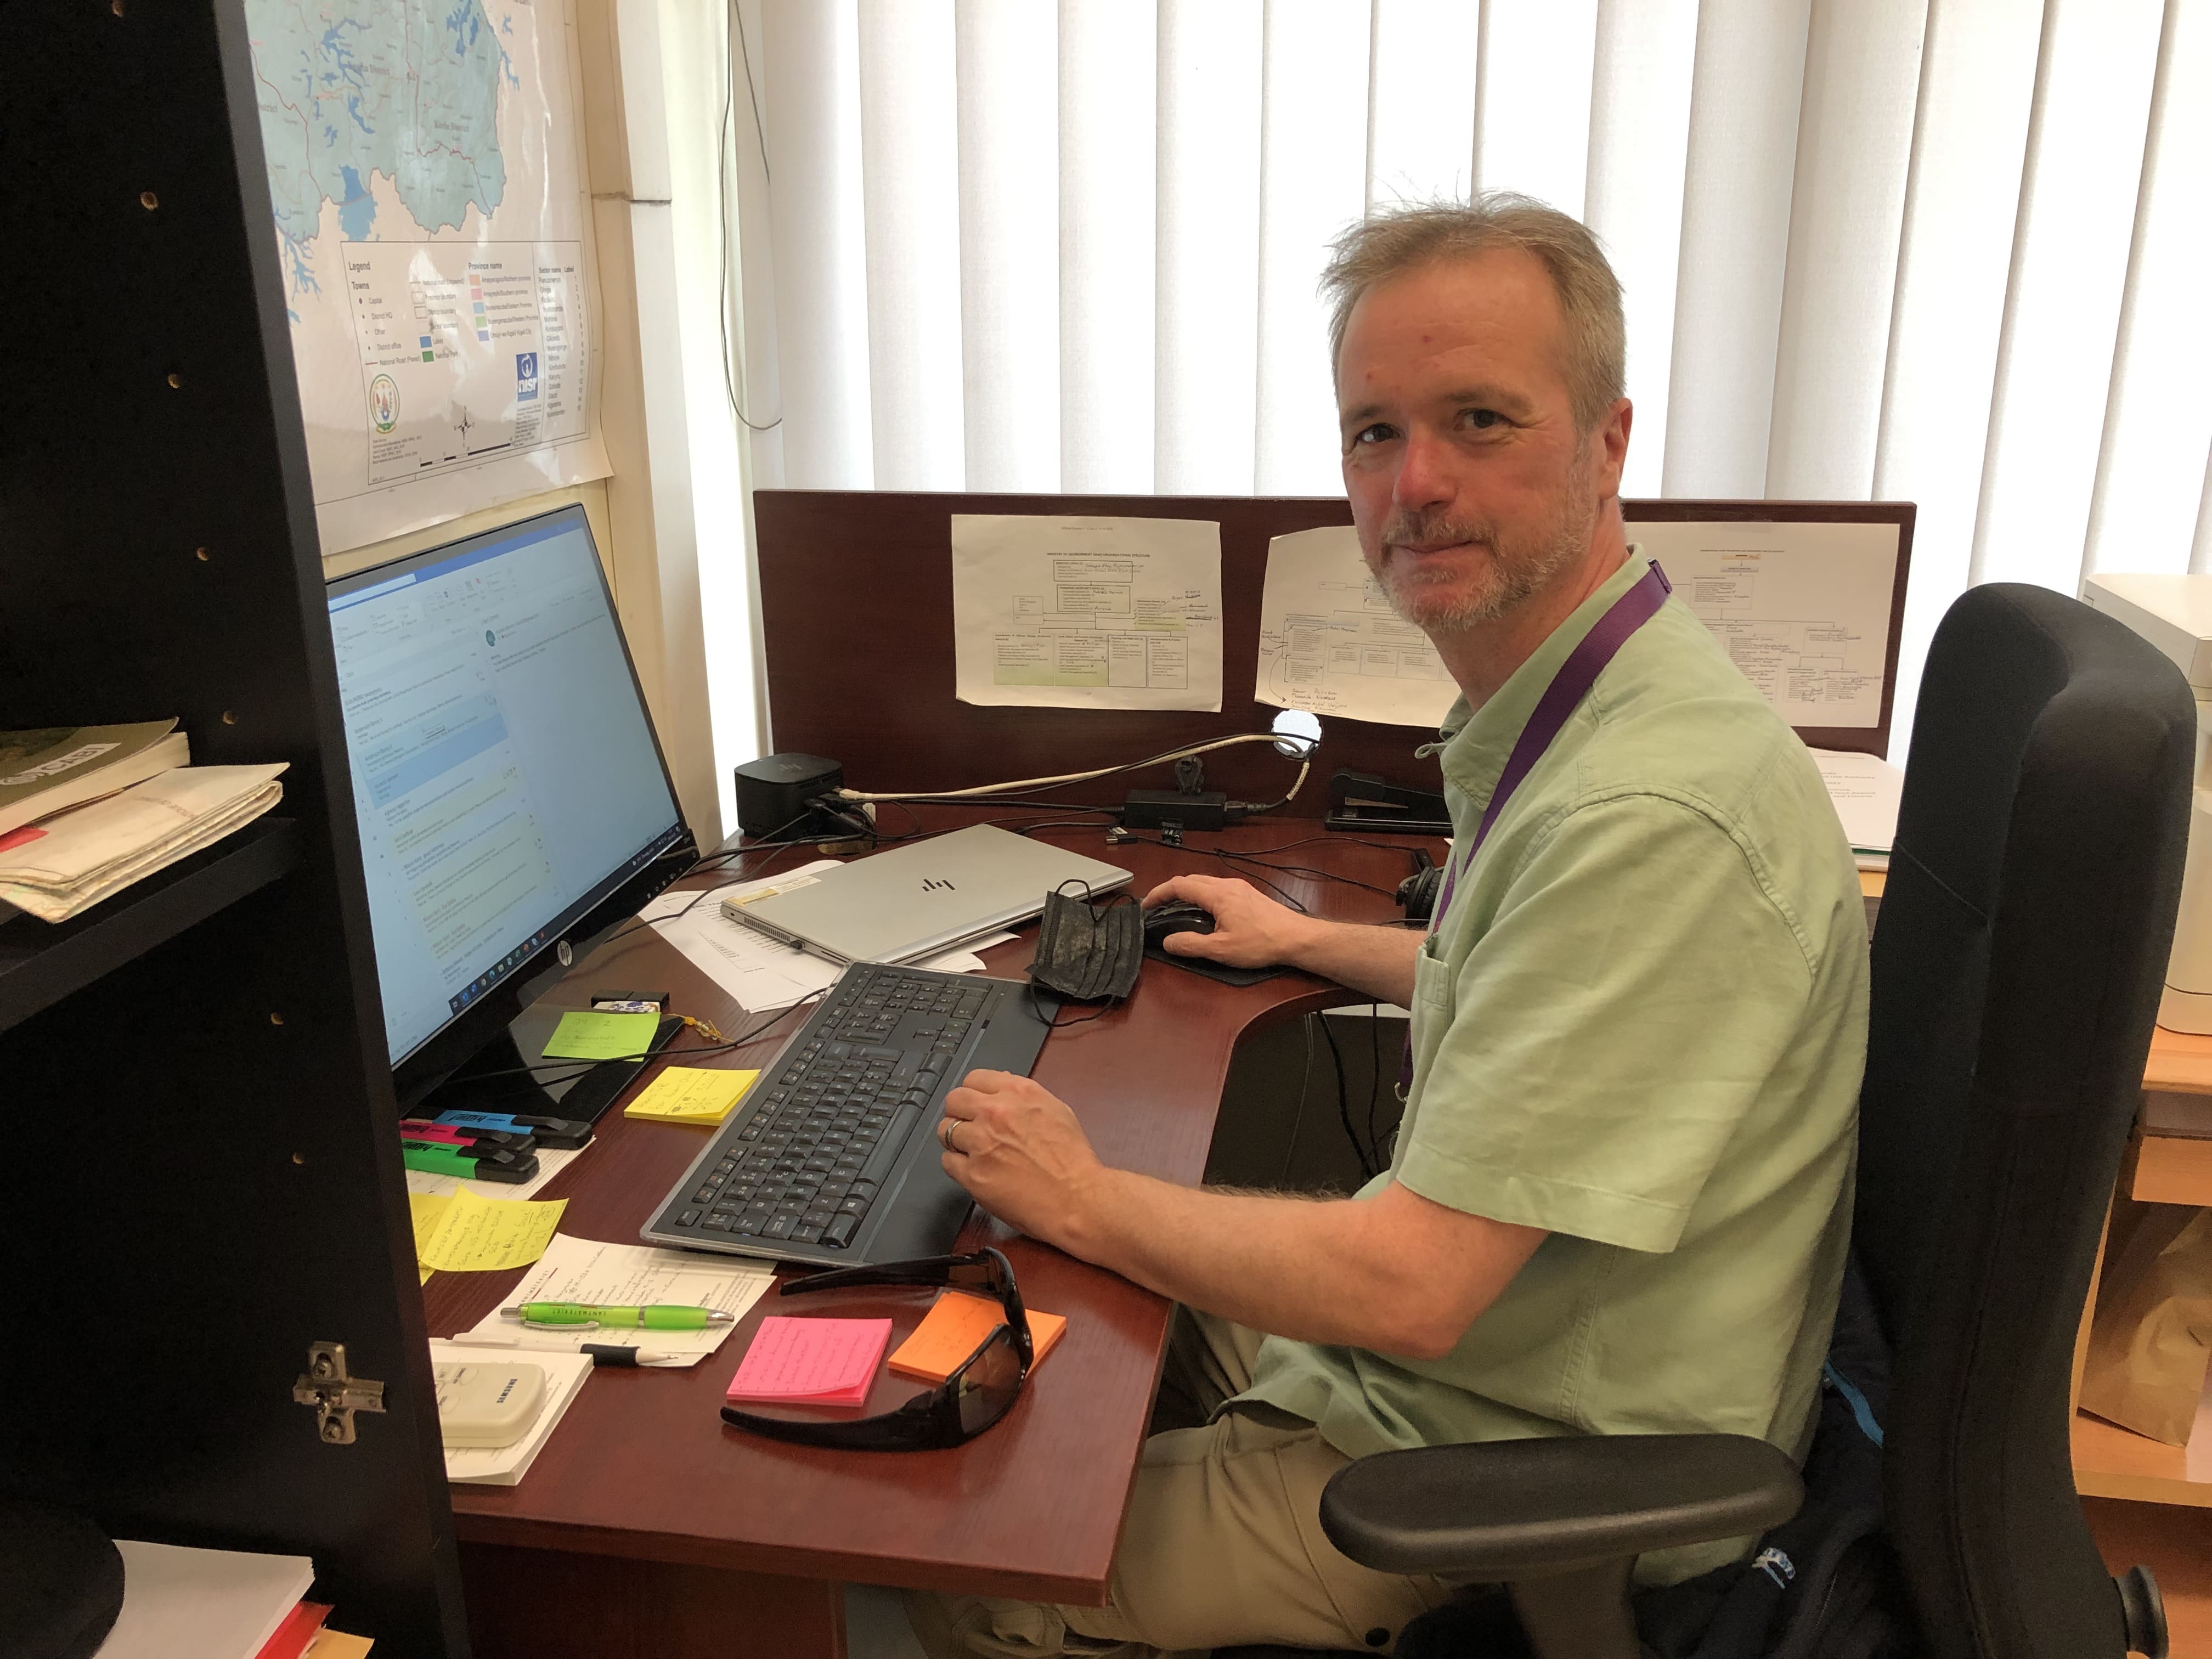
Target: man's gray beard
1515	572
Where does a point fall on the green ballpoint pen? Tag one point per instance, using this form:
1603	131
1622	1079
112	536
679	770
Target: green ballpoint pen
660	1316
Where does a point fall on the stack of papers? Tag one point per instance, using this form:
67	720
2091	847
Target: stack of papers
692	1094
56	768
626	1275
503	1466
813	1362
954	1328
72	861
203	1604
1865	790
764	973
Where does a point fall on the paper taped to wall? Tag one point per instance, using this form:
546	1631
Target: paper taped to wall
1802	608
1051	612
1330	644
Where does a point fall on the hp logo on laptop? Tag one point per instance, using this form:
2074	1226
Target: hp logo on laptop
930	886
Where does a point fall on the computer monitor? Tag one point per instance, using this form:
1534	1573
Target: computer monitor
511	796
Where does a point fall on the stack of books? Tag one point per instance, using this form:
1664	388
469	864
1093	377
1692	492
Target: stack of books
221	1604
86	811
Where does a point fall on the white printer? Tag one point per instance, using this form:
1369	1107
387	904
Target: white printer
2174	613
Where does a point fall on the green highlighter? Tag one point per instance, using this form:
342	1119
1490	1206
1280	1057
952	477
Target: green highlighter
661	1316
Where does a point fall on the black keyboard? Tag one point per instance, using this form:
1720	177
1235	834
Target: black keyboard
832	1156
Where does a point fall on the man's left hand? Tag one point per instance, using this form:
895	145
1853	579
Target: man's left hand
1018	1151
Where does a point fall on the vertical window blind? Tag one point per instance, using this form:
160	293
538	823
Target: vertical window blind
1951	252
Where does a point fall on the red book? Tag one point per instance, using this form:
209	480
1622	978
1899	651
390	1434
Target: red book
298	1629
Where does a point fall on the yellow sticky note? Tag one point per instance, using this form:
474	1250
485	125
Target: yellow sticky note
581	1036
690	1094
477	1234
427	1212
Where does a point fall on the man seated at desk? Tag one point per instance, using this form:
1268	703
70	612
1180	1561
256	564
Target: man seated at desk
1619	1197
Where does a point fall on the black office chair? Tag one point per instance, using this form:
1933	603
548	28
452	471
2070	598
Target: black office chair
2016	971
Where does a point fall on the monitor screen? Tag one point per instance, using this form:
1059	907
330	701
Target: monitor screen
505	773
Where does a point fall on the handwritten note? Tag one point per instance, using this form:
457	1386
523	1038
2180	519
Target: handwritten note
690	1094
822	1361
582	1035
956	1326
427	1212
476	1235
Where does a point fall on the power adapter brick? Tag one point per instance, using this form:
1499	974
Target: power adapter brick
1169	809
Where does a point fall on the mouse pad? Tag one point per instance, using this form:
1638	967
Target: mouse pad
1221	971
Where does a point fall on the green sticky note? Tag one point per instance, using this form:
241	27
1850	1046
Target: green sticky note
602	1036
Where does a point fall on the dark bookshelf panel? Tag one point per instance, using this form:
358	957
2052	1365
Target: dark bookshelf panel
42	961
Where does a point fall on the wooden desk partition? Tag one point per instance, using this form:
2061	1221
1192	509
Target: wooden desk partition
856	602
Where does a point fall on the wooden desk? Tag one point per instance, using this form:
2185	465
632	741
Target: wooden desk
646	1527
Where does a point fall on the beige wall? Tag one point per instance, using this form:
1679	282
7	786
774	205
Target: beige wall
593	495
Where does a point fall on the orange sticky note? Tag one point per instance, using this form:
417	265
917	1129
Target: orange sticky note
815	1362
956	1328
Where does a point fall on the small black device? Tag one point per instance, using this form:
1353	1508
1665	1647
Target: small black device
1169	808
776	793
1363	802
1176	916
831	1157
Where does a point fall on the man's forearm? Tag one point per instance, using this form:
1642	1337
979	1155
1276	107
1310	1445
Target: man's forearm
1378	961
1290	1266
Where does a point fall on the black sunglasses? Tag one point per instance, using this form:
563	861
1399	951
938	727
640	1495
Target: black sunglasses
979	1391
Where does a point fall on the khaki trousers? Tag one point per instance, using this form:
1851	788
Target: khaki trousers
1222	1544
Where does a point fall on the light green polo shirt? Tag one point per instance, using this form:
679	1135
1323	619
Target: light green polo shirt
1640	1026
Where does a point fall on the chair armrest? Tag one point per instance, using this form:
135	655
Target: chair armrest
1496	1510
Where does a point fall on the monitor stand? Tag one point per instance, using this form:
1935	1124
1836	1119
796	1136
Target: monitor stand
512	1075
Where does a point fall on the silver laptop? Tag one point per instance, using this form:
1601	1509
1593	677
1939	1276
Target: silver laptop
917	901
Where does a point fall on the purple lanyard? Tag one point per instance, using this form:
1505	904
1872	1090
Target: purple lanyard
1561	697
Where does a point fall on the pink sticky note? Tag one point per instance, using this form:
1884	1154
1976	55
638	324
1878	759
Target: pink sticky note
822	1361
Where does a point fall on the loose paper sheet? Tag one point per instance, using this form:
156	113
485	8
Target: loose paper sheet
426	1210
1802	608
1051	612
1866	790
624	1275
1330	644
477	1235
690	1094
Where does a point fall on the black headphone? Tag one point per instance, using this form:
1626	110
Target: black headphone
1418	892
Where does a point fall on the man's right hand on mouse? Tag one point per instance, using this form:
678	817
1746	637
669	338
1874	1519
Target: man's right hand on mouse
1250	930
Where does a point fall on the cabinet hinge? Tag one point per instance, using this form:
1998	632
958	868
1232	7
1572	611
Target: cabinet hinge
335	1395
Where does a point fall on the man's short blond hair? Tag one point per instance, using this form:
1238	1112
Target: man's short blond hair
1398	241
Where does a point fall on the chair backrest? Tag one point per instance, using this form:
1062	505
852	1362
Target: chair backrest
2017	963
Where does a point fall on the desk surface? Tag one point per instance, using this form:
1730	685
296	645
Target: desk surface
642	1467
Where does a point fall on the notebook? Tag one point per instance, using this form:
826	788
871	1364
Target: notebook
926	897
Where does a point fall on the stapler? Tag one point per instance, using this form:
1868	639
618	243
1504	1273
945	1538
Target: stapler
1359	800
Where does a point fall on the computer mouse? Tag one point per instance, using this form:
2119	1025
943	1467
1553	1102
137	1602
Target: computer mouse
1176	916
